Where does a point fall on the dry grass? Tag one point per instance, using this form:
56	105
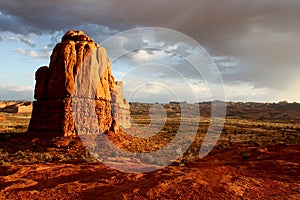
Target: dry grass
236	131
14	123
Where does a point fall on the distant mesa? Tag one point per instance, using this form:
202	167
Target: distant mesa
77	66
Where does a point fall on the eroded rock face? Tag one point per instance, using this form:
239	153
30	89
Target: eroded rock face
120	107
79	69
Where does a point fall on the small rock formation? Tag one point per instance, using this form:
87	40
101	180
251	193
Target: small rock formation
4	104
17	107
77	63
120	107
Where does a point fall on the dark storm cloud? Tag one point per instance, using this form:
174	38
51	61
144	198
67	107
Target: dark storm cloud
50	16
263	35
198	18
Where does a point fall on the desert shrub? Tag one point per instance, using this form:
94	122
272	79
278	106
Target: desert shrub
220	146
2	162
245	155
256	143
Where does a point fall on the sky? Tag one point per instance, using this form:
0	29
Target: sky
254	44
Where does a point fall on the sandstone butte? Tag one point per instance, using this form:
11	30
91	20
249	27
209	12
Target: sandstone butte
79	76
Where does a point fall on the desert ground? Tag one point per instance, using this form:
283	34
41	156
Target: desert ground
257	156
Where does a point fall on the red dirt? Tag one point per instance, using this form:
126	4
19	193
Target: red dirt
237	173
2	118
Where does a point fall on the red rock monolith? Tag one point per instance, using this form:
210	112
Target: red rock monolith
79	69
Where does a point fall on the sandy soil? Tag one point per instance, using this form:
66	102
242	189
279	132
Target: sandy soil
241	172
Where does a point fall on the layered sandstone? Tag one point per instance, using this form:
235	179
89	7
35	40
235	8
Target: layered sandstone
77	82
120	107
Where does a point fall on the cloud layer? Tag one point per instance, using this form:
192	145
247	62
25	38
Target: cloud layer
254	43
16	92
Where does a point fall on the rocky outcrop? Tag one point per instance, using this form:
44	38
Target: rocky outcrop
120	107
4	104
78	77
17	107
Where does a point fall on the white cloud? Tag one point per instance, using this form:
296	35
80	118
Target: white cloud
143	55
21	38
16	92
17	88
33	54
164	91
